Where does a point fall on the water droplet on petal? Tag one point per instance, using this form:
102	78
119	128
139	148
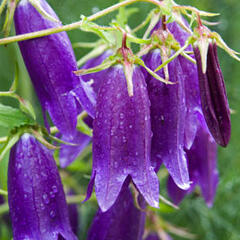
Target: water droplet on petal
45	198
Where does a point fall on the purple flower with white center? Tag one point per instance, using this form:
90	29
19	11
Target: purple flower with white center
37	203
50	62
202	158
122	221
168	113
213	96
122	139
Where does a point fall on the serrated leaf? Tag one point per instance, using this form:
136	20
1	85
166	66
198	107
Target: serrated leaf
12	117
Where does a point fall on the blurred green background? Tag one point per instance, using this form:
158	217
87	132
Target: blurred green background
222	221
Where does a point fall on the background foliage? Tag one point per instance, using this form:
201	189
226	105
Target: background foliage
222	221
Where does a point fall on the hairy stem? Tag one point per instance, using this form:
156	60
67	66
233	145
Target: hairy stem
72	26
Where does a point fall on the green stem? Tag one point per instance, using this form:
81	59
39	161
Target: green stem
3	140
72	26
2	6
2	192
4	208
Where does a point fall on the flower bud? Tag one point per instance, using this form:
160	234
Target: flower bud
213	96
38	208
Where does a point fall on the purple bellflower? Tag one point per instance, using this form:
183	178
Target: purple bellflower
190	79
213	96
50	62
123	221
37	203
168	113
202	159
69	153
122	139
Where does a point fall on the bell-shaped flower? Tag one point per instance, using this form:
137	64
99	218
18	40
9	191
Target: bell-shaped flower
122	221
50	62
168	114
202	159
213	96
69	153
190	78
122	139
37	203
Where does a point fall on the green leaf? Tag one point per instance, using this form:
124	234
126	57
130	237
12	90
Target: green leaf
12	117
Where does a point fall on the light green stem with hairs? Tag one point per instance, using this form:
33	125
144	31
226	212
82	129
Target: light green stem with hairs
75	25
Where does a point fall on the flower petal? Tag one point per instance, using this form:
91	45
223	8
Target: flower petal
50	62
36	198
168	112
122	138
122	221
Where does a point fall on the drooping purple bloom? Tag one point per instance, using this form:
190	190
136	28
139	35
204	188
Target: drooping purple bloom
202	159
190	78
122	139
50	62
168	113
36	198
213	96
122	221
69	153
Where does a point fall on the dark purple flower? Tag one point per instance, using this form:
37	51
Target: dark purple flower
202	159
36	198
168	114
50	62
213	96
122	139
123	221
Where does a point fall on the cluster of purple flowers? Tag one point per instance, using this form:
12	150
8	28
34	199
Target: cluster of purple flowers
178	125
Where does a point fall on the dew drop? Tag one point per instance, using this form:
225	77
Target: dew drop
52	195
45	198
54	188
52	214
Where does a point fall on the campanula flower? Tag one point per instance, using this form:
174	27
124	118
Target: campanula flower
50	62
168	114
202	159
122	221
122	139
37	203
